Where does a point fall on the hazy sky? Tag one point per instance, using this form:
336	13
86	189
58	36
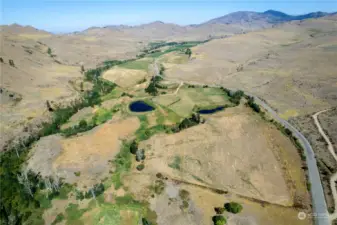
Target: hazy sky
66	16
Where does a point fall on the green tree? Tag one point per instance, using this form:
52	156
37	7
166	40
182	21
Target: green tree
151	89
83	124
49	51
188	52
233	207
219	220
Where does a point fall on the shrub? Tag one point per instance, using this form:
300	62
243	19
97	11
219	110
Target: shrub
140	167
219	210
145	222
11	63
133	147
159	187
79	195
140	155
59	218
219	220
184	195
1	60
83	124
77	174
188	52
233	207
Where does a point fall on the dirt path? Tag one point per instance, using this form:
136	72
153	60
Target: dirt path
333	178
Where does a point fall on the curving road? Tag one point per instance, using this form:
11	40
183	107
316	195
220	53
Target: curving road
333	178
321	215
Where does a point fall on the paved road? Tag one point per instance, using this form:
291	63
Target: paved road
333	178
321	214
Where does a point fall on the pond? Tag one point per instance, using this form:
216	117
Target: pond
209	111
140	106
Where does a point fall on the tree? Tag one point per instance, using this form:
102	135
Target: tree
133	147
145	222
219	220
233	207
140	167
49	51
11	62
219	210
50	109
188	52
81	86
253	105
1	60
83	124
162	69
151	89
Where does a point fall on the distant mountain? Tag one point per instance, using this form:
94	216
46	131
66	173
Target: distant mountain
266	18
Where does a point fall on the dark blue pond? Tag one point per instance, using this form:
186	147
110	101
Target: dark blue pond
209	111
140	106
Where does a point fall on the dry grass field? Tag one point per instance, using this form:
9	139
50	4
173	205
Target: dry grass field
209	155
35	78
291	66
87	154
125	77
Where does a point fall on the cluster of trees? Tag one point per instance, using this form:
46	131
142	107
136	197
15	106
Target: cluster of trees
236	97
152	87
139	153
251	103
81	127
231	207
186	123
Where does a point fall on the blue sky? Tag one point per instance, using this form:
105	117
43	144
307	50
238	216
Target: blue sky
74	15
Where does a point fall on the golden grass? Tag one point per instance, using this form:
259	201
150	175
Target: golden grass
94	148
35	36
90	39
124	77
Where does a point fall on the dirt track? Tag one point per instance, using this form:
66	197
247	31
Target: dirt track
333	178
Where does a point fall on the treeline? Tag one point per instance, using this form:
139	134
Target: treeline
156	45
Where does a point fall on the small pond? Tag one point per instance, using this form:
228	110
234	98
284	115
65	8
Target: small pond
209	111
140	106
